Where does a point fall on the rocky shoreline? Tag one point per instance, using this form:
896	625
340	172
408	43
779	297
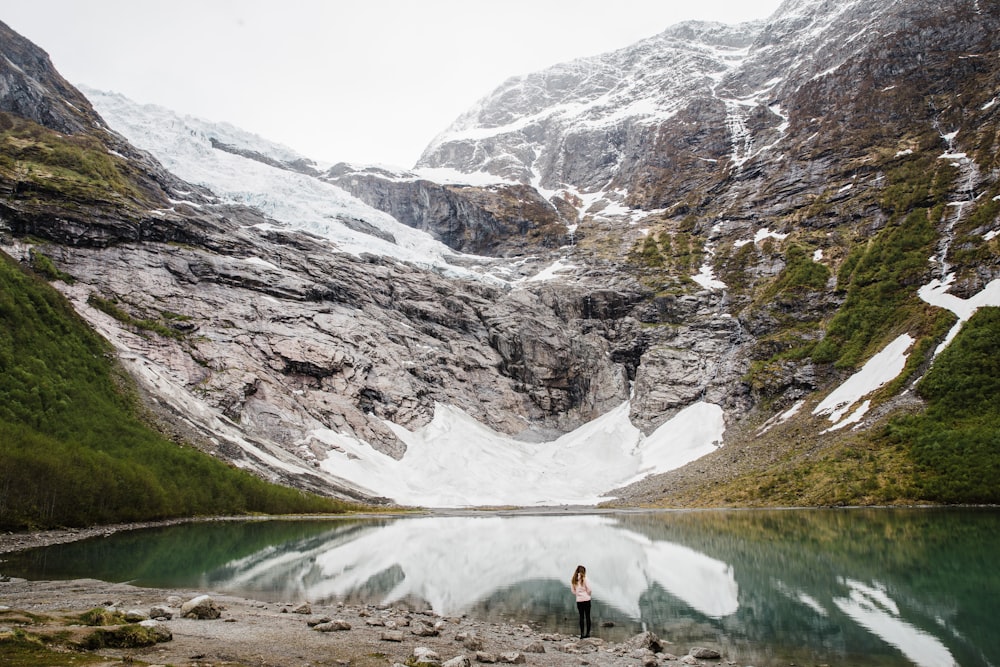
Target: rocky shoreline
196	629
239	631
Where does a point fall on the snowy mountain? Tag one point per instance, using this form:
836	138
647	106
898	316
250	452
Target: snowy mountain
574	124
190	148
641	275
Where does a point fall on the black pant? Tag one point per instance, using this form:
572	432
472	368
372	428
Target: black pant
584	609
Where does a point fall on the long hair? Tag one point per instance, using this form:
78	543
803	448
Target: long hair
578	575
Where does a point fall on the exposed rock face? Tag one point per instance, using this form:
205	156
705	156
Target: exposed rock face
505	219
312	339
31	88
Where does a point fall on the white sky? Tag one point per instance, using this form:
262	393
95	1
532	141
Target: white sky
361	81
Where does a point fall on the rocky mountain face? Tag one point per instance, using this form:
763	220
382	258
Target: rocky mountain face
498	219
247	336
794	132
680	221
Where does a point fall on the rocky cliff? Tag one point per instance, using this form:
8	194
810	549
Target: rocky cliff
738	216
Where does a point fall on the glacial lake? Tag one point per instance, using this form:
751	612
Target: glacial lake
855	587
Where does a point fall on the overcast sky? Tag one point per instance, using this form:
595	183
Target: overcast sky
360	80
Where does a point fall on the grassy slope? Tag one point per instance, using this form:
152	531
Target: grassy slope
73	450
943	448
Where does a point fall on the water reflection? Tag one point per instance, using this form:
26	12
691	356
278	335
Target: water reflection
811	587
452	563
872	608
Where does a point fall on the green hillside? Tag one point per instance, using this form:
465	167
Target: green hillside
73	450
955	443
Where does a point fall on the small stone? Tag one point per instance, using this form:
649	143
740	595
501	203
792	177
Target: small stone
161	612
485	657
704	653
535	647
646	640
458	661
425	656
336	625
392	636
135	615
159	631
512	658
313	622
304	608
201	607
424	631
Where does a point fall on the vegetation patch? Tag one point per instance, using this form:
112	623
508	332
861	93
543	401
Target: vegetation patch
131	635
43	265
161	328
667	257
44	163
23	649
880	279
955	443
75	451
102	616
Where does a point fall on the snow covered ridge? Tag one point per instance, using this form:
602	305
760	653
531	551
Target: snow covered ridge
645	84
604	89
183	145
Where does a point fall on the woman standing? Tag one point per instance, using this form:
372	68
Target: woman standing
581	589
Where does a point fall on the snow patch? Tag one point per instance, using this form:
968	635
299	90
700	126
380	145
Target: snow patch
936	294
781	418
706	275
761	234
457	462
880	370
552	271
706	278
447	175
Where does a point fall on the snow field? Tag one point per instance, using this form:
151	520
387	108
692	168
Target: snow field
457	462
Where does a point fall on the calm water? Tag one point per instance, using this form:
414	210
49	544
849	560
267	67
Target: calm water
810	587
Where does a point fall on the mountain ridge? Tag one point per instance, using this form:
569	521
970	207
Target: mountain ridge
753	258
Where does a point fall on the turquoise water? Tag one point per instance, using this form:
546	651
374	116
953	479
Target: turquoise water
766	587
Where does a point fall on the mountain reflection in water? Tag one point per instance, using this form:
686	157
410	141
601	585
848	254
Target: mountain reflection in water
859	587
454	562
